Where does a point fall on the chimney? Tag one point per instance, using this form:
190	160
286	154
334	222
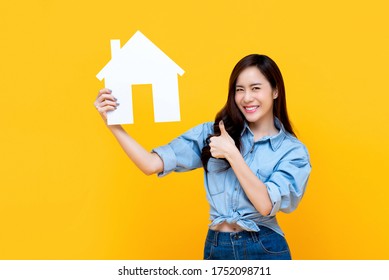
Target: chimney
115	47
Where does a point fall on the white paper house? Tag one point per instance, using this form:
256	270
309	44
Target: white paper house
139	61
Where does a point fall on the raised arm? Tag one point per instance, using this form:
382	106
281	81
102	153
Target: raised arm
148	163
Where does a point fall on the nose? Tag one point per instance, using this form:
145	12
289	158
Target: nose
248	97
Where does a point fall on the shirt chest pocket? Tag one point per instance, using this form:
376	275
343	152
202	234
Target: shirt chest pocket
216	176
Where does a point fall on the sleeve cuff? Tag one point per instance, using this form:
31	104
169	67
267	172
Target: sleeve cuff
275	198
168	157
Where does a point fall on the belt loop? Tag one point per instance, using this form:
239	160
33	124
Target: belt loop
215	238
254	236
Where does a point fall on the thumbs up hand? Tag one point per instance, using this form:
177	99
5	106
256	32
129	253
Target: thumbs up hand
222	146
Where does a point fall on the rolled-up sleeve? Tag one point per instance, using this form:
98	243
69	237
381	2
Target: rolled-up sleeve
184	152
286	185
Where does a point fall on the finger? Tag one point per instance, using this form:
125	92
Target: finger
104	103
222	128
105	109
104	91
101	102
109	103
212	141
104	97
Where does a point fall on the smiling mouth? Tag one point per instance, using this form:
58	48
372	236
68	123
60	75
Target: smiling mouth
250	109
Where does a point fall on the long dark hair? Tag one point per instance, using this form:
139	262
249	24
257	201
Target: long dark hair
231	115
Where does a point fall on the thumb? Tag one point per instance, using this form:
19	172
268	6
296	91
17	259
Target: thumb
223	130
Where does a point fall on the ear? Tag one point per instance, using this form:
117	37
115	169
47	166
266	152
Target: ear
275	94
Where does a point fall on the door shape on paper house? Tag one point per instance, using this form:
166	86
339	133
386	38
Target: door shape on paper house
139	61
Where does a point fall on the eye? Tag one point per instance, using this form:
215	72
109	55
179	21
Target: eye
238	89
256	88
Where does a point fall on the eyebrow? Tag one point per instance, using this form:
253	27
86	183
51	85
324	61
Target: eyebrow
255	84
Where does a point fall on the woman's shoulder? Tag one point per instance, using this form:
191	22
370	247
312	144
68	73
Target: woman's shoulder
293	146
206	127
201	130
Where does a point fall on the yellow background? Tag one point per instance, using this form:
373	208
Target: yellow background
67	191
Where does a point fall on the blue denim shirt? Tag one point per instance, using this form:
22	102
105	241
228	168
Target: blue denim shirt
281	162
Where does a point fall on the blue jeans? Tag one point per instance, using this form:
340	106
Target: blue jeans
246	245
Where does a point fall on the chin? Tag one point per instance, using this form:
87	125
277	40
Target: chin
252	119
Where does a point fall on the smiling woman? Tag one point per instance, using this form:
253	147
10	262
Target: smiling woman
254	165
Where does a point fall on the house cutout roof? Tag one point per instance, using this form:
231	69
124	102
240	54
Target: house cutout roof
140	55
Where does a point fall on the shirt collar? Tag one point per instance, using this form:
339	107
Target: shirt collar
275	140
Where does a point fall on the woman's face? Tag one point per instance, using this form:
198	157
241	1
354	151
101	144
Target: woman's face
254	96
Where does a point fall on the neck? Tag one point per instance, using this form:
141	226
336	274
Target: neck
263	128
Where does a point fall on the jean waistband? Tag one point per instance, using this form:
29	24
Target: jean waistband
217	237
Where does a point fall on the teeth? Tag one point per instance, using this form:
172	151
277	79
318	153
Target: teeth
251	108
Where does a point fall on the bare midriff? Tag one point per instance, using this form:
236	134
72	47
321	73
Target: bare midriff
226	227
